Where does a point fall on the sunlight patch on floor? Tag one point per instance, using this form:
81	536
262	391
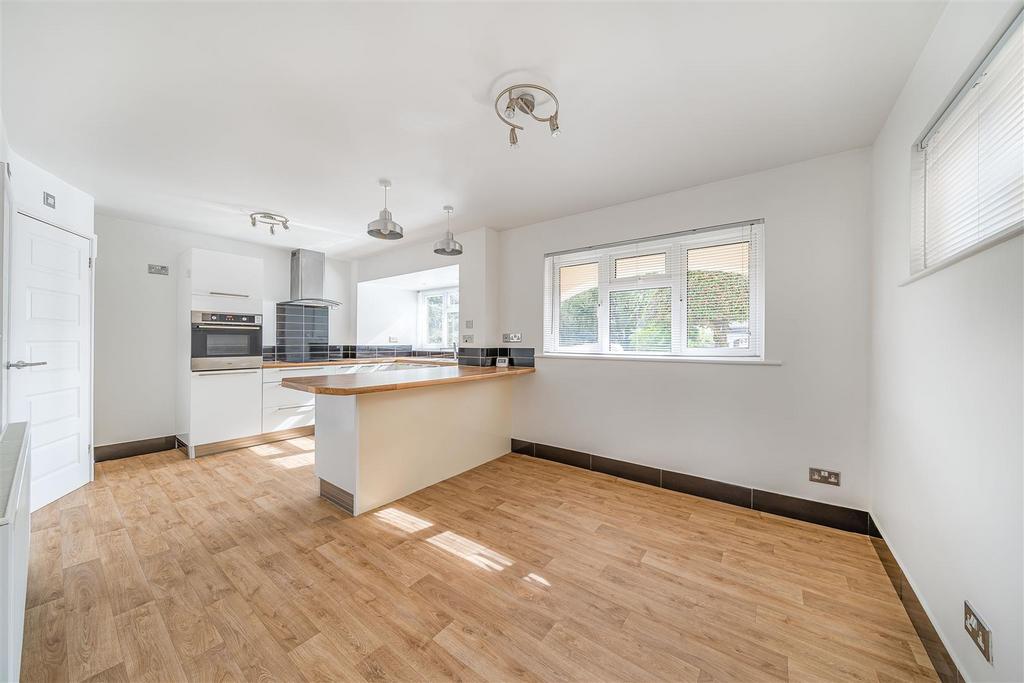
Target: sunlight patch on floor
290	462
537	579
402	520
304	442
266	449
471	551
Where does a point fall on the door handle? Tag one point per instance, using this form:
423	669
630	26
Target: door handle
240	296
248	328
22	364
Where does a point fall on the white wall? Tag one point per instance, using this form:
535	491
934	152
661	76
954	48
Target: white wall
946	384
3	129
478	277
135	319
761	425
385	312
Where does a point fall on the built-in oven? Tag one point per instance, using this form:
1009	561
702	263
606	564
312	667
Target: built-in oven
226	341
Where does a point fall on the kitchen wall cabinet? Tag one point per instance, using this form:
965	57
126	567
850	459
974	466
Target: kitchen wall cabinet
225	405
225	282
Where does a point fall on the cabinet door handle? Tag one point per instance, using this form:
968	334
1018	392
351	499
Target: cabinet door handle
303	408
226	372
240	296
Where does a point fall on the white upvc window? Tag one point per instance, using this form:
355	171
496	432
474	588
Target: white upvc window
692	294
968	167
438	318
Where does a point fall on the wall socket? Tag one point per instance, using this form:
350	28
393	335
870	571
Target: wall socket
820	476
467	339
157	269
979	633
392	340
512	337
469	324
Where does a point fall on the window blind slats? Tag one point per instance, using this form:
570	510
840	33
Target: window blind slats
969	175
694	294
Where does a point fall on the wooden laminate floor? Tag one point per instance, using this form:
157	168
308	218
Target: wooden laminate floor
231	568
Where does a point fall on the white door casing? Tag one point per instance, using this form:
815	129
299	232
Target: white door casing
51	323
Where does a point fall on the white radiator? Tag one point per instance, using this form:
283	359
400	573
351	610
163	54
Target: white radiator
15	527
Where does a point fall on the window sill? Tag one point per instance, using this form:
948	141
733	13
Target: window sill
966	253
718	360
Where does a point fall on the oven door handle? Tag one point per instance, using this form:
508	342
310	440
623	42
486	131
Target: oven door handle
248	328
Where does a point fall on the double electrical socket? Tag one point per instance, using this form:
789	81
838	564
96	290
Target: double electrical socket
979	633
512	337
820	476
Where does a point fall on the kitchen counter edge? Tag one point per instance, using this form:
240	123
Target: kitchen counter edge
354	385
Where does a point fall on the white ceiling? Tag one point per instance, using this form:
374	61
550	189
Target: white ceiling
194	114
435	278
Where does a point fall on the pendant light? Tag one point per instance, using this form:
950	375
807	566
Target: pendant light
384	228
448	246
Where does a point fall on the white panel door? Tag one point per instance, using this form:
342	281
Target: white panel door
49	354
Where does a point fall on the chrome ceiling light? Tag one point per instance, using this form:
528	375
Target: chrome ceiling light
384	228
448	246
519	97
272	220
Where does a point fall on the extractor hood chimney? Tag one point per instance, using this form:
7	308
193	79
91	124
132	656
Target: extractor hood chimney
308	279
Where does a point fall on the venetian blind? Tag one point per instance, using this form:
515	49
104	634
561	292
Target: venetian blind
693	293
969	166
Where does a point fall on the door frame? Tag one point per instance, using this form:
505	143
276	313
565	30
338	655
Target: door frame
92	238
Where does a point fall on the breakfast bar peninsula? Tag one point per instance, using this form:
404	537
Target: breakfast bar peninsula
381	436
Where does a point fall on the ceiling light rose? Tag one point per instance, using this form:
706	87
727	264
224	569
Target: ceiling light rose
520	97
271	220
384	227
448	246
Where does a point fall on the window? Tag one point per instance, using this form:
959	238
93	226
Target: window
969	165
694	294
439	318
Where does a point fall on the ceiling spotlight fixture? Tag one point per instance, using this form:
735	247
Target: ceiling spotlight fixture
520	97
272	220
384	228
448	246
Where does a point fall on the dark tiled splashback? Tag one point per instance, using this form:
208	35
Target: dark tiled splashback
301	333
346	351
488	356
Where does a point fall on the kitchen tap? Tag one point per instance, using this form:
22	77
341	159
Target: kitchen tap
455	350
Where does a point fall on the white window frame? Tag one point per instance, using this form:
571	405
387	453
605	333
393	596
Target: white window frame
675	248
919	263
421	318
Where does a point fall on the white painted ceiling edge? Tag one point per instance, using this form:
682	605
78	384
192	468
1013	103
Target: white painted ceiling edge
195	114
421	280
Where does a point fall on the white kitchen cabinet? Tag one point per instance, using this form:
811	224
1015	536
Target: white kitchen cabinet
285	408
225	282
277	396
288	417
226	404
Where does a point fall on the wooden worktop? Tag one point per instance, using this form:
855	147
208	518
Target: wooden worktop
360	361
394	380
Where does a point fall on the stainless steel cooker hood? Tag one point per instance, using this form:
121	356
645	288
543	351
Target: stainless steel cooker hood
308	279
